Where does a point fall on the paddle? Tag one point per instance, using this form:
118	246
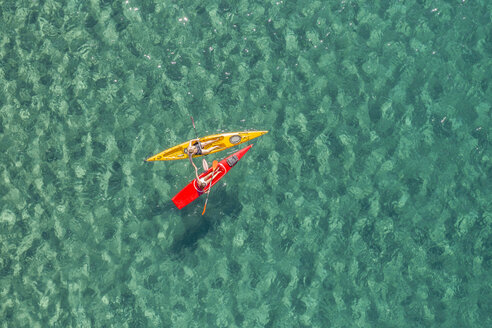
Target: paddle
214	166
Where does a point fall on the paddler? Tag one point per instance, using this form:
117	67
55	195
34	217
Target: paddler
198	148
202	182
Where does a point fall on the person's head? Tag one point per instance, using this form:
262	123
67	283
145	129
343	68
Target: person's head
202	184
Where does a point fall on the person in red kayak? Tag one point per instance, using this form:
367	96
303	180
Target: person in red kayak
202	182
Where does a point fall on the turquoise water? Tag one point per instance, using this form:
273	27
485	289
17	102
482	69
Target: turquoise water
367	205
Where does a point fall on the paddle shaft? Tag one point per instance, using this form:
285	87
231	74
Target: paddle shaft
193	121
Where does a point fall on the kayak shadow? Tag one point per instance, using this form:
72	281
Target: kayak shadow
198	226
194	231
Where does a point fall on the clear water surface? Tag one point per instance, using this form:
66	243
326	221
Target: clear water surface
367	205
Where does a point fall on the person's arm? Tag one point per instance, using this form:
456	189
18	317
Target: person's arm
193	163
196	172
190	153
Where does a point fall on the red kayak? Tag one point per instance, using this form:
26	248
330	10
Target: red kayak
192	192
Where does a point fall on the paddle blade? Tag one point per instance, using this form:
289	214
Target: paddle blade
205	164
205	207
193	121
214	165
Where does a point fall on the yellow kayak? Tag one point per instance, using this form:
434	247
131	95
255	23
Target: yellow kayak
222	140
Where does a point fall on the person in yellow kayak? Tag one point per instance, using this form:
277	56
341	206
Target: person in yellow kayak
196	147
